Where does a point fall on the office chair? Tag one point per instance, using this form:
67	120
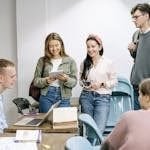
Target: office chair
121	101
91	130
22	103
78	143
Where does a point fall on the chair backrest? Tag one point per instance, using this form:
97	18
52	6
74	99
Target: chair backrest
21	103
78	143
123	88
90	129
121	101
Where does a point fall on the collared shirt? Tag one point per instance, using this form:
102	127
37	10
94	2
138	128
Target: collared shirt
3	123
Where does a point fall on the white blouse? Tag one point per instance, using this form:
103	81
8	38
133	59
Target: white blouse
103	72
56	63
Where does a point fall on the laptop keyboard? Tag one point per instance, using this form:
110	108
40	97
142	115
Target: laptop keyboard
34	122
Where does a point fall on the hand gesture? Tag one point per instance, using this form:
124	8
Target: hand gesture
62	77
95	85
132	47
50	79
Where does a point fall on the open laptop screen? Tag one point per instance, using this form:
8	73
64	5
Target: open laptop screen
35	121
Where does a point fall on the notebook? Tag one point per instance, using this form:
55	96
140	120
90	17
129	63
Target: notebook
28	136
64	117
35	121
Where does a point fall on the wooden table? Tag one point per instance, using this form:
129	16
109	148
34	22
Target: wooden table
46	127
50	141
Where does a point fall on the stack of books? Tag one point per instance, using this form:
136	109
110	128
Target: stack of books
64	118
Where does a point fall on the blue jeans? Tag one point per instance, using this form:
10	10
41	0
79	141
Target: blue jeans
53	95
136	98
97	106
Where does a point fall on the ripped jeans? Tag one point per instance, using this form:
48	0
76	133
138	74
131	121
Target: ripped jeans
97	106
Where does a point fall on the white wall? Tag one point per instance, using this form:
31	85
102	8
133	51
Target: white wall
8	49
73	20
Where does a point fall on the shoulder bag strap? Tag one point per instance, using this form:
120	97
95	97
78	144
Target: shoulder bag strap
43	67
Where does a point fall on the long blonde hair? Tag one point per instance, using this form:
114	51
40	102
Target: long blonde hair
54	36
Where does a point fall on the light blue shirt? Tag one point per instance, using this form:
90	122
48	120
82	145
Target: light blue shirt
3	123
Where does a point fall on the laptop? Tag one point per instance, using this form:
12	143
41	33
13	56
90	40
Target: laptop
36	120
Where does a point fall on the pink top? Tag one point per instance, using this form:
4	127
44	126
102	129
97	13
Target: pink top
132	131
103	72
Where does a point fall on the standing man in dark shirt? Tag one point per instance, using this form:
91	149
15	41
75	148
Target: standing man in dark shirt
140	48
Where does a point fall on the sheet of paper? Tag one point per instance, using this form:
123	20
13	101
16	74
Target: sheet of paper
28	135
7	143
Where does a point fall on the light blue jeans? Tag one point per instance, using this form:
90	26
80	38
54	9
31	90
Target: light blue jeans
53	95
97	106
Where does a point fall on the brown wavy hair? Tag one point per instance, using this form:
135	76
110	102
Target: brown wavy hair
54	36
144	87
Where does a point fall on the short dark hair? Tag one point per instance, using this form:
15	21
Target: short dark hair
5	63
144	7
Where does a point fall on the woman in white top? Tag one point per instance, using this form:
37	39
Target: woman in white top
97	77
55	74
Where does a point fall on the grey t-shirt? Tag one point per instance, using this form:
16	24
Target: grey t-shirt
141	67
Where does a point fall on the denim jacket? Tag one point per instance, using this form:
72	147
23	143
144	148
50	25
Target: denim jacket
68	65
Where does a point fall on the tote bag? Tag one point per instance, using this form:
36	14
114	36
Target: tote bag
34	91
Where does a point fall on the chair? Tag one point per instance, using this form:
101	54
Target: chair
22	104
121	101
78	143
90	130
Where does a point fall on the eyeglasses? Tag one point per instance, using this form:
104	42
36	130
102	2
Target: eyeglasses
136	17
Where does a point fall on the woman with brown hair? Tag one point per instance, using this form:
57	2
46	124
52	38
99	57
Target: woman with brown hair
97	77
58	76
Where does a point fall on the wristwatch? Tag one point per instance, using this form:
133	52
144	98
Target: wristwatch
102	84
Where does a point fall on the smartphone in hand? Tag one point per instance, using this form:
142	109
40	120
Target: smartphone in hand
86	83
